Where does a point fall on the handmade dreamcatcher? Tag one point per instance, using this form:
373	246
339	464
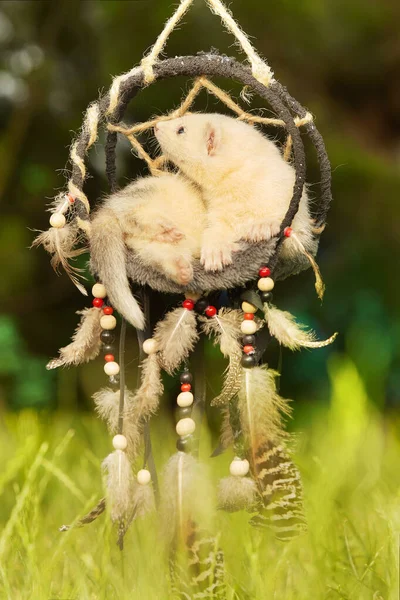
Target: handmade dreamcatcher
263	478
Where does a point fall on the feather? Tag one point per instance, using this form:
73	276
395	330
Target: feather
60	244
283	326
319	284
143	501
227	434
236	493
89	518
120	486
176	336
86	342
147	396
232	382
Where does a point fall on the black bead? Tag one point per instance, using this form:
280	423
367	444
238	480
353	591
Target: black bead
201	305
183	412
248	361
107	337
266	296
248	340
184	444
186	377
108	349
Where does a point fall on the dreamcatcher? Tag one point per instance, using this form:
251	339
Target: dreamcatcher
263	478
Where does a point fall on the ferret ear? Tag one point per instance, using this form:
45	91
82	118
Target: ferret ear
213	138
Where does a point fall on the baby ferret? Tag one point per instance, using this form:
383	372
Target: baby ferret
246	184
162	220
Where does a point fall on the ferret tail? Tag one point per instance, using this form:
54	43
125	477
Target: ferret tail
108	253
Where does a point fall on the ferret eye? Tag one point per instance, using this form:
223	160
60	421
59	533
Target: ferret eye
180	130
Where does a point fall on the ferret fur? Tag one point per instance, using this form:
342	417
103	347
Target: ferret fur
162	220
246	184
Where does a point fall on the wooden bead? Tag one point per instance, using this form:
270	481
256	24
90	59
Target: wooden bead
150	346
99	291
248	361
248	308
188	304
108	322
265	284
111	358
143	477
107	337
186	387
248	349
97	302
248	327
186	377
120	442
239	468
185	399
108	310
264	272
111	368
57	220
248	316
185	426
210	311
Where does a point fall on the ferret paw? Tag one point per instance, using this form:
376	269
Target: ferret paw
169	234
262	231
184	271
214	257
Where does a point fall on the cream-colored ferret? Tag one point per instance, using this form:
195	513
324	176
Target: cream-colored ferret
162	220
246	184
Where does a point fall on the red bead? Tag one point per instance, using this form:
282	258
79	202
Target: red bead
189	304
109	358
98	302
248	349
108	310
248	316
288	231
211	311
186	387
264	272
71	199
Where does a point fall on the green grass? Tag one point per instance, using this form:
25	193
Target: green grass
349	457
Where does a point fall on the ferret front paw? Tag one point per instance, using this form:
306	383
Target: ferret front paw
169	234
216	256
262	231
184	271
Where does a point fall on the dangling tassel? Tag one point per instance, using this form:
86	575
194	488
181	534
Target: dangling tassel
319	284
175	337
89	518
283	326
86	342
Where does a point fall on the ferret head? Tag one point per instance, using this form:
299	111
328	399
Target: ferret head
203	146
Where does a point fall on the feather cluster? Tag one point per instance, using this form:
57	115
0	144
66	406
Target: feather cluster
236	493
283	326
86	342
176	336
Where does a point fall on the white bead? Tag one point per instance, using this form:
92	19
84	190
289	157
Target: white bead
57	220
150	346
185	426
143	477
185	399
239	468
108	322
248	308
248	327
265	284
120	442
99	291
111	368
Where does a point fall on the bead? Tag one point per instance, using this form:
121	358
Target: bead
248	349
248	316
184	444
108	310
186	377
108	349
150	346
248	327
99	291
188	304
267	296
248	308
111	368
107	337
183	412
108	322
264	272
185	427
248	361
201	305
143	477
109	358
120	442
288	231
186	387
211	311
57	220
265	284
239	468
97	302
248	339
71	199
185	399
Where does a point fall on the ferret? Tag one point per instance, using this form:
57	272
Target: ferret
246	184
162	220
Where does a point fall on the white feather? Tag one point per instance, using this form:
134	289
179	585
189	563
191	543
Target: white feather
236	493
176	336
120	484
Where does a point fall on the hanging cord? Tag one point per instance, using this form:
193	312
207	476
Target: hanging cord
121	377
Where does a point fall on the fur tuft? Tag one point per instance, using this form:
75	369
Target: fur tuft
176	336
236	493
